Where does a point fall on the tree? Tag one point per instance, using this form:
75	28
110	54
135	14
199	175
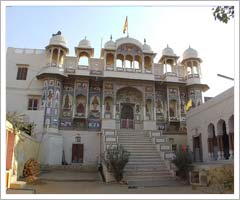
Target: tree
223	13
18	122
116	159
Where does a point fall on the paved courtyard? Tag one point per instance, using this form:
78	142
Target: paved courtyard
98	187
78	182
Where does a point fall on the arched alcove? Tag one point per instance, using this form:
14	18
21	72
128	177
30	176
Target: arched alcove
173	108
129	61
147	63
83	59
222	132
110	59
137	62
81	101
213	147
119	61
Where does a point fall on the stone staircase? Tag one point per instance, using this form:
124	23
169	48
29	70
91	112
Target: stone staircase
145	167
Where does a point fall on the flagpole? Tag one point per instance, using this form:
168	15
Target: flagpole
127	28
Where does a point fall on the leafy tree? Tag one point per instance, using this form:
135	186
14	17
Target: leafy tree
183	162
18	122
116	159
223	13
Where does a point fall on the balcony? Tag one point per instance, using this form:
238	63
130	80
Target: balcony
192	79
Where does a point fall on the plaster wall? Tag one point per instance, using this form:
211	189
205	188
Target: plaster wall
91	141
198	119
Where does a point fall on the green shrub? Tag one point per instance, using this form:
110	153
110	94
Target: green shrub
183	162
116	159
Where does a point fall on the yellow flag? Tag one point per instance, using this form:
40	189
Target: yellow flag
189	105
125	25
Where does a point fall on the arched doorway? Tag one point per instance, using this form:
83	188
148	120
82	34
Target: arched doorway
231	136
213	147
223	139
127	116
197	148
129	108
225	142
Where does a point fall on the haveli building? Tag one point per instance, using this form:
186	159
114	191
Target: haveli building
81	104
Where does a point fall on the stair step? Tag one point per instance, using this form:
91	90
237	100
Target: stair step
18	185
149	160
148	178
144	157
152	183
145	167
144	173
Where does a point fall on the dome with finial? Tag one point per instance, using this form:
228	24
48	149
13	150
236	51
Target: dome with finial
190	53
168	51
84	43
146	47
58	39
110	44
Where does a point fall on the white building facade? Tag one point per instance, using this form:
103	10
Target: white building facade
77	101
211	128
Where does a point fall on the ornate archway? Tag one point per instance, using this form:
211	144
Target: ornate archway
130	106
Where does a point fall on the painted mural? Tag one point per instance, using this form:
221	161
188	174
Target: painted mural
67	106
51	102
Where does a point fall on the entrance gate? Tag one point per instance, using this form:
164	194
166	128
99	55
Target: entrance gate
127	116
77	153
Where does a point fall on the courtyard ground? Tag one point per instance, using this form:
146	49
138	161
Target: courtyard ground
98	187
78	182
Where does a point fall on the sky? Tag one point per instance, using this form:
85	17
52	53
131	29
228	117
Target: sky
178	26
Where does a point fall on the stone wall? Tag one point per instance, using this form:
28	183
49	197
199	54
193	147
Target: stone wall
25	147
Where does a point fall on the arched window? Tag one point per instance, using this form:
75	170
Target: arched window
221	128
189	70
83	59
61	58
173	108
212	143
120	59
137	62
128	61
195	71
110	59
147	62
54	57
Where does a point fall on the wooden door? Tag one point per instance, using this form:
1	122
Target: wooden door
77	153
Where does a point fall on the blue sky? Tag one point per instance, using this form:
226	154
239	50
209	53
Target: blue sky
177	26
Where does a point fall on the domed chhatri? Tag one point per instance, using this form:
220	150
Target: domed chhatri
190	53
168	52
146	47
84	43
58	39
110	44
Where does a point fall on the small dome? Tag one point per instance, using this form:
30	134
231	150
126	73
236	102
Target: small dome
58	40
190	53
84	43
168	51
110	45
125	40
146	48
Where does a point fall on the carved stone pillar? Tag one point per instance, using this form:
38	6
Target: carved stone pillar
220	149
231	145
59	50
51	55
210	148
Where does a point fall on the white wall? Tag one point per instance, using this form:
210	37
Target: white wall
198	119
91	141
